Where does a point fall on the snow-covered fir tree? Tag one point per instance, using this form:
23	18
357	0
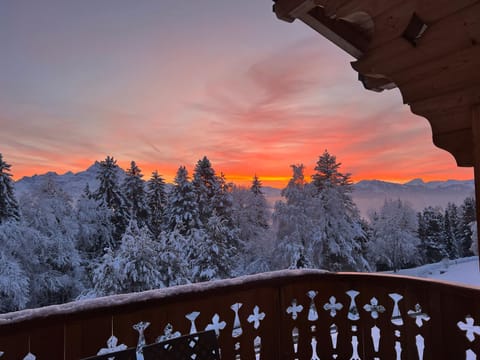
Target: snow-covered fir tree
8	202
50	212
133	267
251	217
156	199
431	231
216	253
297	243
44	260
182	212
173	255
467	217
206	185
14	284
213	254
134	192
452	231
339	227
95	229
319	224
394	242
109	195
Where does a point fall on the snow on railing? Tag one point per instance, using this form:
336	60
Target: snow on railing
281	315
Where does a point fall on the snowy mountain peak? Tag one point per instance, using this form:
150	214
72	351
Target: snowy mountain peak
415	182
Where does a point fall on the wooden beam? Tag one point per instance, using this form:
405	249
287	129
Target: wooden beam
434	10
461	97
372	7
331	7
392	24
440	77
289	10
439	40
454	119
457	62
476	167
341	33
458	143
284	8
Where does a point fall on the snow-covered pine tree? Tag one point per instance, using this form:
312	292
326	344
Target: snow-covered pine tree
173	256
259	204
14	284
452	231
50	212
95	234
339	227
182	211
213	254
467	217
134	192
156	199
206	185
133	267
296	239
251	217
431	231
218	252
8	202
138	254
109	195
108	275
394	242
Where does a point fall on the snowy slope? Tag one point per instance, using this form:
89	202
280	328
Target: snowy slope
465	271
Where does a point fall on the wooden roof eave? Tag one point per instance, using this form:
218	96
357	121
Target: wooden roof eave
437	74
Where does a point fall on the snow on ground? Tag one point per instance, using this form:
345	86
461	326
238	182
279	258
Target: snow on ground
464	271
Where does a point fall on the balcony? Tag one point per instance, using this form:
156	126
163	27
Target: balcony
292	314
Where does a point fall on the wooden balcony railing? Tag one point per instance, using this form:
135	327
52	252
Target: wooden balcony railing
280	315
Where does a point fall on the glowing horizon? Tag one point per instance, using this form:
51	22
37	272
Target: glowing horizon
165	83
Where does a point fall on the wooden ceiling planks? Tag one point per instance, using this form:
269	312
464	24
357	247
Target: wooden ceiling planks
438	41
391	24
372	7
434	10
466	96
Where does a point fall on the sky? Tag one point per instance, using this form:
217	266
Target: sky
166	82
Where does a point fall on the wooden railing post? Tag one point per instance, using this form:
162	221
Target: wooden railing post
476	167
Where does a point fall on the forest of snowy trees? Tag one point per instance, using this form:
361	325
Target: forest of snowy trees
131	234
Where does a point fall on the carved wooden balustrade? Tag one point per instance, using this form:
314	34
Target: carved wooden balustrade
281	315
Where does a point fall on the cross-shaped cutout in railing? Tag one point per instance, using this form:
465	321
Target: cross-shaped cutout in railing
112	346
168	334
332	306
469	327
294	309
374	308
216	325
256	317
419	315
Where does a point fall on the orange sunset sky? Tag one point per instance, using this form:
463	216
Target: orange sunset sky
165	82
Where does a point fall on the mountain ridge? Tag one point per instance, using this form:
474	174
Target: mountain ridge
367	194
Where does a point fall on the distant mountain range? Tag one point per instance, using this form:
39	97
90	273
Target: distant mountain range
367	194
371	194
